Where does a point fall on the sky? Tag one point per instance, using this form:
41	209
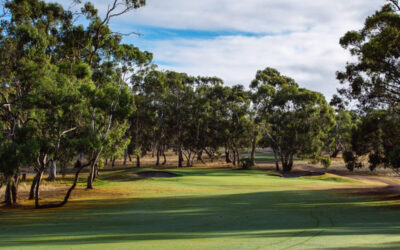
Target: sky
232	39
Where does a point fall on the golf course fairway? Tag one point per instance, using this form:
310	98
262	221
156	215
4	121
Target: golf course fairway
209	209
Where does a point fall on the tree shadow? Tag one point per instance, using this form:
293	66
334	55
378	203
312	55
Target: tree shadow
275	214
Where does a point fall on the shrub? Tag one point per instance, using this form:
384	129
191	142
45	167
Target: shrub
246	163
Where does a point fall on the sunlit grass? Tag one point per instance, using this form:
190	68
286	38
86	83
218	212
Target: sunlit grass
206	209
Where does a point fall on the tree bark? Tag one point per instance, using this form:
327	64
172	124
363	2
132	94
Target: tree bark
11	192
180	157
237	155
96	172
200	157
234	157
14	189
335	153
33	186
158	155
138	161
68	194
90	178
253	148
165	157
7	195
37	189
113	161
227	156
276	161
287	163
52	171
125	157
93	165
130	158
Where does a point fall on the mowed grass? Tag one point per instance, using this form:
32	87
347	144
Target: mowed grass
210	209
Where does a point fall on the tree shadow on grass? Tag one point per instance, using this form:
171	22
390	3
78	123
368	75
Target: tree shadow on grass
278	214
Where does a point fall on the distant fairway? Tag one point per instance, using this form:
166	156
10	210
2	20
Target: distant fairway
209	209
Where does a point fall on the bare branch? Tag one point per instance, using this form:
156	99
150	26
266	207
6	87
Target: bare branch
395	3
67	131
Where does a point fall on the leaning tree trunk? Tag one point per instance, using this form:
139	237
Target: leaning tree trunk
335	153
92	172
130	158
69	192
37	189
33	186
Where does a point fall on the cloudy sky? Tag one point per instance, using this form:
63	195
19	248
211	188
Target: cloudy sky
233	39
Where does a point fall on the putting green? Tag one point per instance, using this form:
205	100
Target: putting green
210	209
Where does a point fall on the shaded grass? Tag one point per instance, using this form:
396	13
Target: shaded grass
209	209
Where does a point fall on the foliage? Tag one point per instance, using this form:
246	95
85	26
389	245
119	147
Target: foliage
246	163
374	78
376	137
296	120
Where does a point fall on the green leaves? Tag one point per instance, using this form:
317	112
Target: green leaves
373	79
297	120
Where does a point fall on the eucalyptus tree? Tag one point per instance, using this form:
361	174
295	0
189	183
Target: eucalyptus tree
179	87
340	135
373	78
29	81
376	138
109	100
372	81
148	121
238	130
297	120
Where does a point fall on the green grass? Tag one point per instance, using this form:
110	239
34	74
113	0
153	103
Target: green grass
211	209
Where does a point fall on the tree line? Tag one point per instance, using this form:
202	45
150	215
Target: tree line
75	94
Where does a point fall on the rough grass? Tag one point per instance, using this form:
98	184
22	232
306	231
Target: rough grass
208	209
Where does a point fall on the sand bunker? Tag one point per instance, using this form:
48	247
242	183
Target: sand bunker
296	174
156	174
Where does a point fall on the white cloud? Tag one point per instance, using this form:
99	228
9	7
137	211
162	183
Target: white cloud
299	38
251	15
309	57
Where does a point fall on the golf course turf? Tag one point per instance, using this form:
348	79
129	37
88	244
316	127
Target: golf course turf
210	209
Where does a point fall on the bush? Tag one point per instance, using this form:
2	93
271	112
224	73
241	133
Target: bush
246	163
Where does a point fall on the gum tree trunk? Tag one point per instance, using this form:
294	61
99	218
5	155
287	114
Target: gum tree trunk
165	157
52	171
125	156
276	161
92	173
37	189
227	156
138	161
33	186
253	148
11	192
